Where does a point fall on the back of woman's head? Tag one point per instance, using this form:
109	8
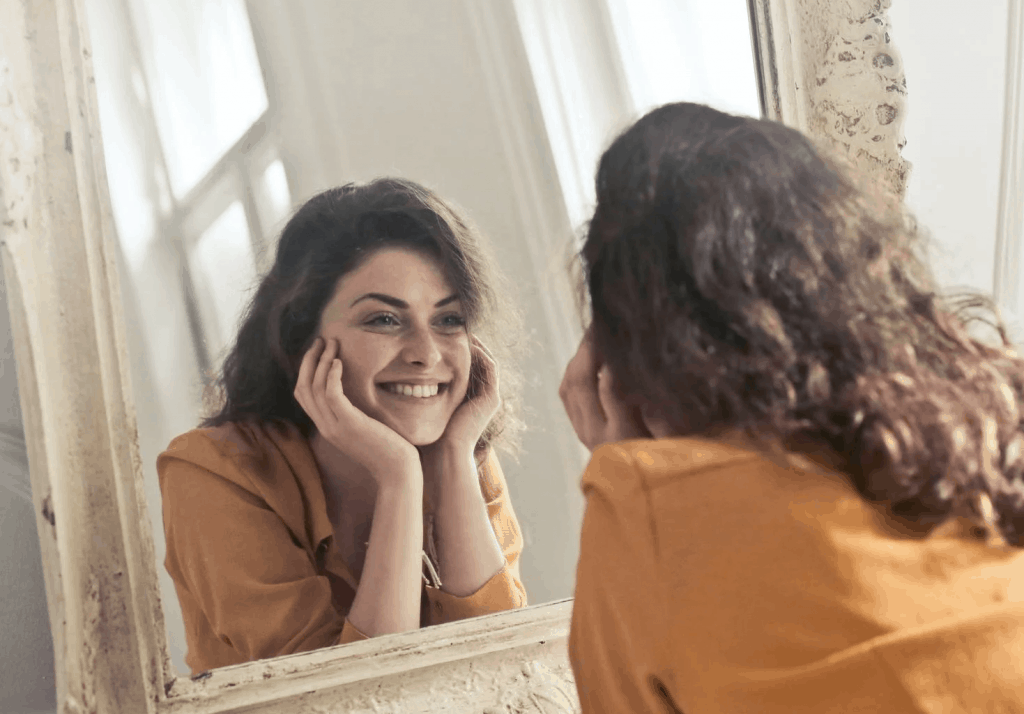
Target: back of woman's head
741	279
330	235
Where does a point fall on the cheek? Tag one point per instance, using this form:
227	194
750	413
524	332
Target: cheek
356	357
462	362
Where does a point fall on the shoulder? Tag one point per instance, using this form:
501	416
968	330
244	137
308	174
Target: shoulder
628	466
234	450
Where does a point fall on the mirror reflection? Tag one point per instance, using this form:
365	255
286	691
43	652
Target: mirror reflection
359	470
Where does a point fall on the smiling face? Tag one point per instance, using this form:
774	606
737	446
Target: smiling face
404	346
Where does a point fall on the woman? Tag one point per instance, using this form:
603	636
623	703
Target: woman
350	460
805	492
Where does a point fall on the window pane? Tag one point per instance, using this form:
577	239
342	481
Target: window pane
204	80
224	271
276	199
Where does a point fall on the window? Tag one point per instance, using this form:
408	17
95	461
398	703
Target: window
192	160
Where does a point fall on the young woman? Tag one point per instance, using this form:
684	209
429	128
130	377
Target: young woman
347	487
805	491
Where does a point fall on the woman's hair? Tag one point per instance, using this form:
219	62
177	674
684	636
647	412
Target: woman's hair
741	279
332	234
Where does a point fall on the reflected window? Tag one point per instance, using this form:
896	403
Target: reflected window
203	78
191	150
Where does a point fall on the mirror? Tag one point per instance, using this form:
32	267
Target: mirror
219	118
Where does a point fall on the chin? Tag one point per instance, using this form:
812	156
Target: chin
420	436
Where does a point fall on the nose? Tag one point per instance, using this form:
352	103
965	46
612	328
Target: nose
421	348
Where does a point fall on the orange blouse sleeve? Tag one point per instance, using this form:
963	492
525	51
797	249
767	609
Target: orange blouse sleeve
504	591
244	582
613	643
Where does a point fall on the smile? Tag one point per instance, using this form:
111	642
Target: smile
420	391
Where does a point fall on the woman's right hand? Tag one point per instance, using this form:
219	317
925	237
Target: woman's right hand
382	451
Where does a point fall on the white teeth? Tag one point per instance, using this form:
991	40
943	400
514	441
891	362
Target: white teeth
414	390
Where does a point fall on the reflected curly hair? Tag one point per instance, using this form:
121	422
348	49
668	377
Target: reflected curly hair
332	234
739	278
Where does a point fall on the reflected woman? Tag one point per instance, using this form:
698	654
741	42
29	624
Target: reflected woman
806	491
347	486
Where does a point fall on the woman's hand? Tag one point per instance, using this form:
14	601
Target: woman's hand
374	445
474	414
596	411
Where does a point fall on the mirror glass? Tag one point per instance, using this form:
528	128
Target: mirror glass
220	117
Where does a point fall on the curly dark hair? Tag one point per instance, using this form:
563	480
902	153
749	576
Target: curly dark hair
741	278
332	234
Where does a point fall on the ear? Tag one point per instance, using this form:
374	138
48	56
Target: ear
654	423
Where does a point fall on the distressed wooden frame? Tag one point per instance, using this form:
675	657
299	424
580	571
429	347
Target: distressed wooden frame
816	73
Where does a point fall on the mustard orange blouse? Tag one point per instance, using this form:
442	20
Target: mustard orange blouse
714	580
251	548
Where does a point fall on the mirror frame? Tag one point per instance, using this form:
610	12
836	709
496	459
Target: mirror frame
70	347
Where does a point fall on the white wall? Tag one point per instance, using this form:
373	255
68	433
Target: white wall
954	55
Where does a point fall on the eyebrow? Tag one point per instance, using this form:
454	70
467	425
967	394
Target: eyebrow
400	304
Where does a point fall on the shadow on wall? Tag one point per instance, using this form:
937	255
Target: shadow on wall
26	656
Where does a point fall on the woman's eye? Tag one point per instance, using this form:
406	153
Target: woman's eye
382	321
453	321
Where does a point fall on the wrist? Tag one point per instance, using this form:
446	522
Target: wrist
404	475
445	454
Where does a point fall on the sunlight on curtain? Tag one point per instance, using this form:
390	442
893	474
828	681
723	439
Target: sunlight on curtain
204	79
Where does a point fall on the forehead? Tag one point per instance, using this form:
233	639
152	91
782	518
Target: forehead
399	272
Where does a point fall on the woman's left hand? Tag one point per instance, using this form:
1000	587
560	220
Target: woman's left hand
475	413
597	413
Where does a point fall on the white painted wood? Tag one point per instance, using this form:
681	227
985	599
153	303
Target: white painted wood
94	530
385	666
1010	216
